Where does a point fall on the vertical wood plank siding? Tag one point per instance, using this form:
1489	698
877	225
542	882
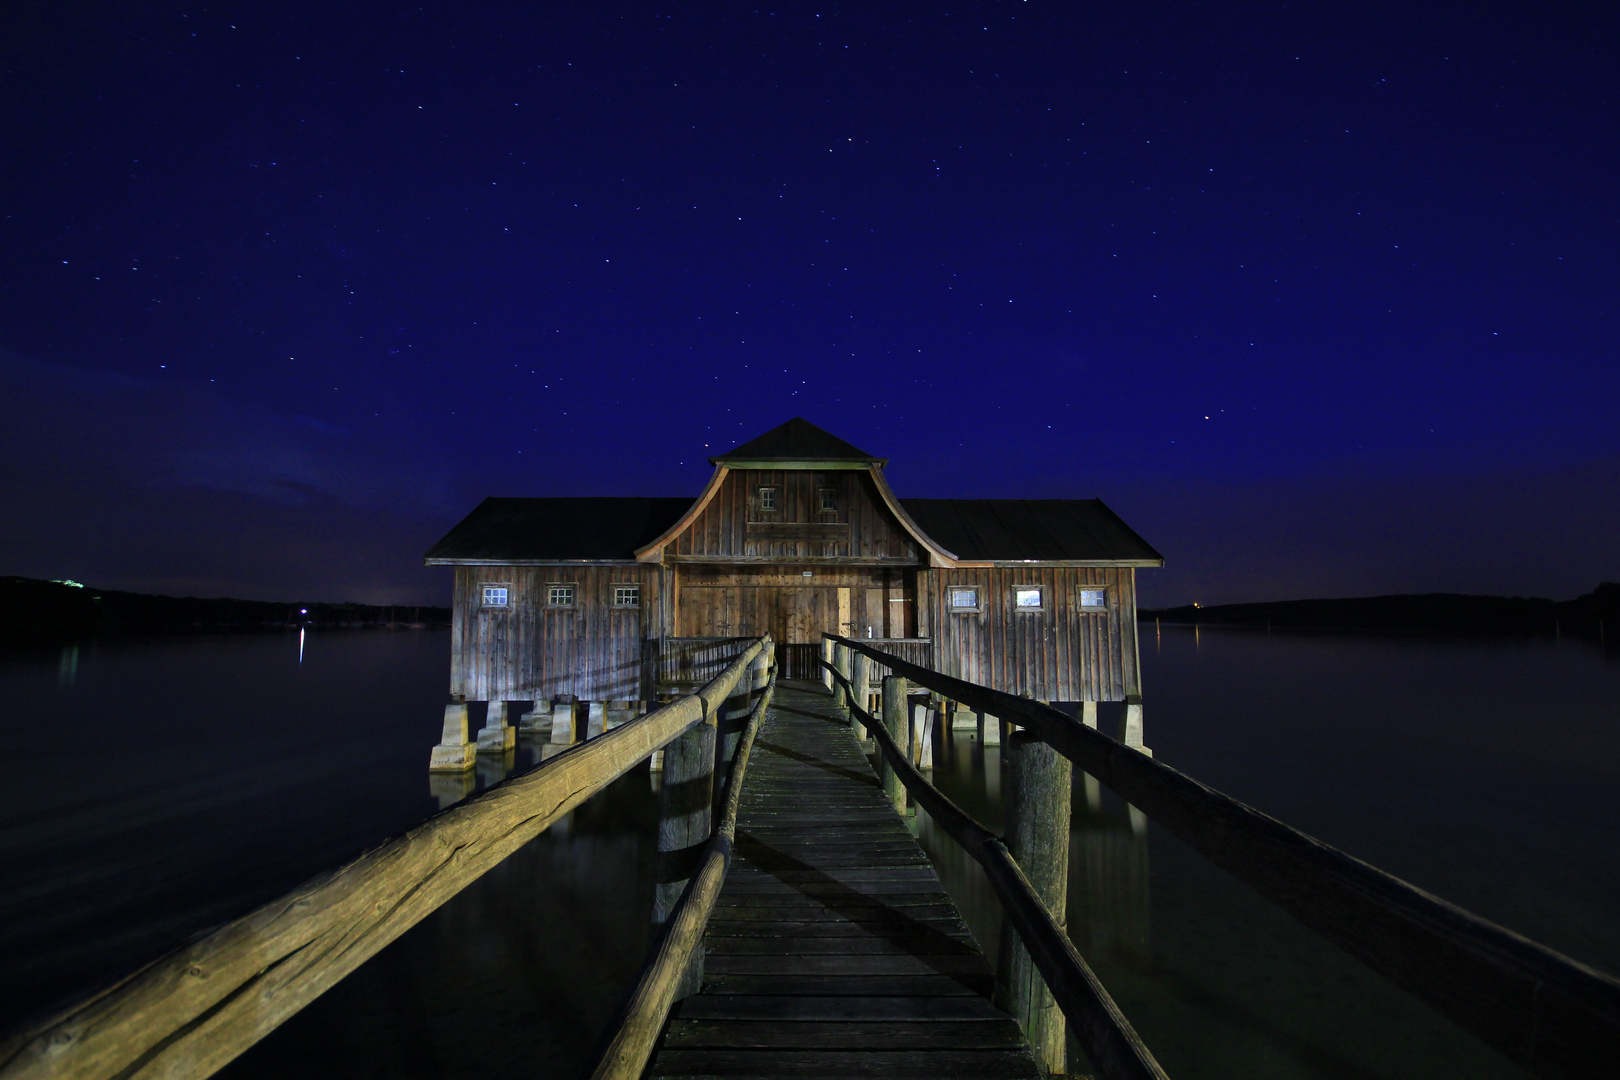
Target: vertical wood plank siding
530	651
860	527
1060	653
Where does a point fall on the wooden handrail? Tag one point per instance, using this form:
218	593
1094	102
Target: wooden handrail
1544	1010
643	1015
1101	1028
191	1012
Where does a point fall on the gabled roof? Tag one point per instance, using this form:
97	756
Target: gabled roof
549	530
797	441
1034	530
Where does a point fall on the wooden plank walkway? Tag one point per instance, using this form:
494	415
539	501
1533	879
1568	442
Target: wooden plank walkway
834	949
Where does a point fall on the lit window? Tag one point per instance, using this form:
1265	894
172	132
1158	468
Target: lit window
961	599
767	498
560	595
494	595
627	596
1028	599
829	498
1093	599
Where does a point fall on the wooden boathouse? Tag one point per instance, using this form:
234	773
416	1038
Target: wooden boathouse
797	534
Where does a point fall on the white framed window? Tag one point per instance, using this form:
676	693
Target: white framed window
767	498
1029	598
627	596
962	598
1093	599
559	594
496	595
827	498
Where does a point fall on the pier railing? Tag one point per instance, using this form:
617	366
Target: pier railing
1550	1013
191	1012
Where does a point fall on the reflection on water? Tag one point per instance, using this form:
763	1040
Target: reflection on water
203	776
1485	771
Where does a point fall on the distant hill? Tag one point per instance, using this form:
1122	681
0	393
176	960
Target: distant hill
31	609
1595	614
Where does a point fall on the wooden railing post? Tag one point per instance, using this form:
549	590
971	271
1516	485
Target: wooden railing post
899	728
827	655
685	819
861	681
1038	784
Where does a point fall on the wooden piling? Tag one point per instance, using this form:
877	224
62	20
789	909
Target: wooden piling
685	820
897	723
1038	785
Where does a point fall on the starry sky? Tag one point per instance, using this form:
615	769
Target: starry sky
1319	296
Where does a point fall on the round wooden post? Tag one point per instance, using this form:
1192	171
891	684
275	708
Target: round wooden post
899	728
685	803
1038	780
827	655
861	680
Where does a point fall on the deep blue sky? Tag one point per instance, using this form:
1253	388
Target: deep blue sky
1320	297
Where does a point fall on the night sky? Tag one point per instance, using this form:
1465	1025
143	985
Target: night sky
1319	297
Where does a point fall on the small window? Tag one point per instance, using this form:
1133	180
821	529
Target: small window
559	596
495	595
962	599
1093	599
1029	598
767	498
827	498
627	596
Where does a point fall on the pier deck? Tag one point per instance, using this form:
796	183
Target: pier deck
834	949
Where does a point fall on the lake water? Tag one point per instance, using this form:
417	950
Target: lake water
158	787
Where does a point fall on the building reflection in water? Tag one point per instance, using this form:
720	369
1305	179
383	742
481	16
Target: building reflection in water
1108	878
1108	909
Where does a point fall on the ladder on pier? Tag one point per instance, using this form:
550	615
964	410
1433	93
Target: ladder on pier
834	950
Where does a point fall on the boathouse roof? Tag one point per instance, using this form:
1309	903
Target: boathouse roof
797	442
587	529
1034	530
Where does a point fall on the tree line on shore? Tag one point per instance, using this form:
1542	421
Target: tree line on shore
31	608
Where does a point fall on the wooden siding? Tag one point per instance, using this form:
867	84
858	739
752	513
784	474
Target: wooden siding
529	651
733	525
1057	654
746	601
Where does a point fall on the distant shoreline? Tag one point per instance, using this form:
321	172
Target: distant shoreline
35	611
1595	615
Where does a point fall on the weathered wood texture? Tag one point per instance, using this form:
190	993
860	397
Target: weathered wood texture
192	1011
690	661
1101	1028
1039	782
714	600
1552	1014
531	650
833	949
676	967
1060	653
735	525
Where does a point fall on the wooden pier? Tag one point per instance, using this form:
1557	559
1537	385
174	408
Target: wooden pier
833	949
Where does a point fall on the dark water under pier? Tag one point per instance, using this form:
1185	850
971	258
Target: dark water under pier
154	787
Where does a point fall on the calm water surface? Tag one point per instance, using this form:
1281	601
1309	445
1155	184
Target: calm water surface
1485	771
157	788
